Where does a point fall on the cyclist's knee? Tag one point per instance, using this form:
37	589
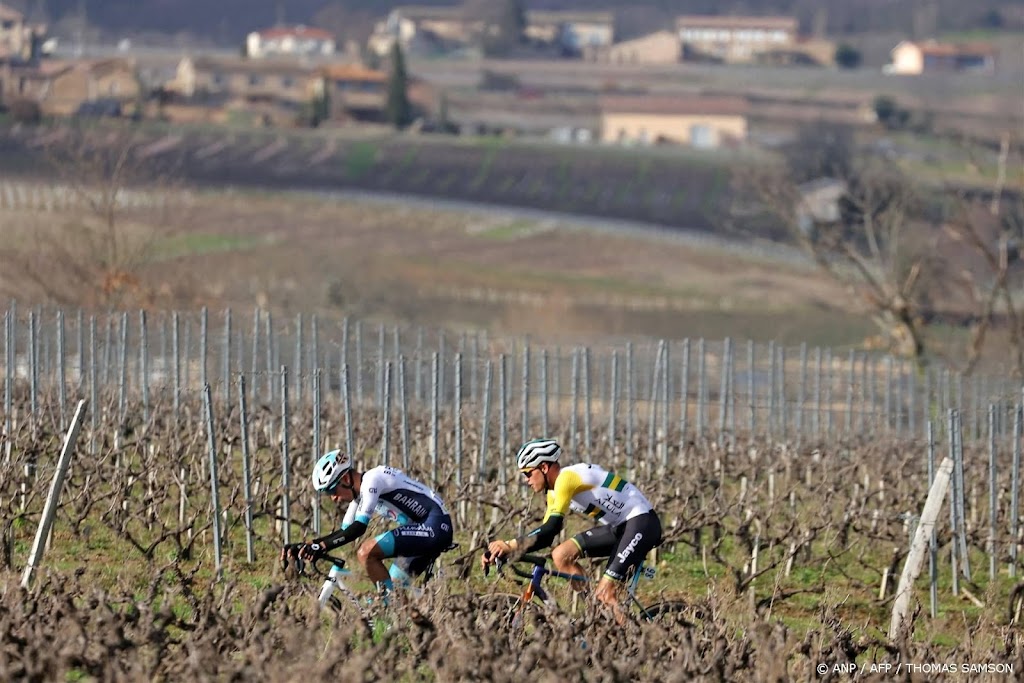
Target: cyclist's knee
565	554
369	550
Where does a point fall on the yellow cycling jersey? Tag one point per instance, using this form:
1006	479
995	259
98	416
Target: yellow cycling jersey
597	493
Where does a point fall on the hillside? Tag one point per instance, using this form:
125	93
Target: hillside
227	21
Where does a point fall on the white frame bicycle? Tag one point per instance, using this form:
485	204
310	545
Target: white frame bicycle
333	581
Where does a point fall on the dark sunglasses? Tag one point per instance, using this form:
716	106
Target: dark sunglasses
334	489
528	473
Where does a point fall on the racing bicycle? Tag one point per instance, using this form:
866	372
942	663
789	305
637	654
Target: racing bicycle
536	603
368	609
333	585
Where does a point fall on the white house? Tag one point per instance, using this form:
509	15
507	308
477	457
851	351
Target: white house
910	57
818	203
734	39
295	41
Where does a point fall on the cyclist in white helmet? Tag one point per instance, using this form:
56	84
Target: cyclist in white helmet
424	531
628	527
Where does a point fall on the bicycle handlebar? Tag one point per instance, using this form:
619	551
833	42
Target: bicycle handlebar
336	561
536	560
291	553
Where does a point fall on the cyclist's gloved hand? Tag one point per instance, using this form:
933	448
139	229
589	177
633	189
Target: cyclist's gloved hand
311	549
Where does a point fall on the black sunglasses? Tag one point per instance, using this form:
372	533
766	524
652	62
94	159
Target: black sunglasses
333	489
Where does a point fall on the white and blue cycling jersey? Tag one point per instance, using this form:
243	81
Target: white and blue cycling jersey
390	493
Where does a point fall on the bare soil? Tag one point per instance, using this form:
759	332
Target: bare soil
493	270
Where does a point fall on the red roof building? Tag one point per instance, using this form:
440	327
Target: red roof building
294	41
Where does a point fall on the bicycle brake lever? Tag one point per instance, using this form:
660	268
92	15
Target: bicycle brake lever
497	560
290	552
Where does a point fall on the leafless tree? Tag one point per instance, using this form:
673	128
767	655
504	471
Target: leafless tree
990	227
913	256
122	200
863	245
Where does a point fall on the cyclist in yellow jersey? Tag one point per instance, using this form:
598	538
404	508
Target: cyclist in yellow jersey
628	527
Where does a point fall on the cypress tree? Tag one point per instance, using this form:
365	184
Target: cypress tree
399	110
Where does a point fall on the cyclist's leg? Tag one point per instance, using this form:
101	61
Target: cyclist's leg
371	556
639	535
410	568
399	572
414	546
596	542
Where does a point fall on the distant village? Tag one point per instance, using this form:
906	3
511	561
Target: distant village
293	75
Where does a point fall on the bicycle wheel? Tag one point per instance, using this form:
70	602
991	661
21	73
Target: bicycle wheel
670	612
343	610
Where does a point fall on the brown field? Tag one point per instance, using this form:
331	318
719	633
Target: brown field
486	269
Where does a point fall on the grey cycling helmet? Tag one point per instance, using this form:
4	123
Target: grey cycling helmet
328	470
533	453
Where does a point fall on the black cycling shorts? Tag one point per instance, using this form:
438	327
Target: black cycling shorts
415	546
625	545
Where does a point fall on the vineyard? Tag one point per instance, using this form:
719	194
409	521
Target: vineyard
678	190
785	534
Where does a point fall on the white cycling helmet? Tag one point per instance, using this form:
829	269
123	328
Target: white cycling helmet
533	453
328	470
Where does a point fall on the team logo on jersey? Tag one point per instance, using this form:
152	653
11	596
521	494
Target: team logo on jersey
628	550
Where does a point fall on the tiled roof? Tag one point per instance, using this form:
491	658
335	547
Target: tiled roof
736	22
556	17
677	105
52	68
253	66
353	72
10	14
937	49
303	32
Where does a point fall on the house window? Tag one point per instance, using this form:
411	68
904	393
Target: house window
114	88
287	81
255	79
218	79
